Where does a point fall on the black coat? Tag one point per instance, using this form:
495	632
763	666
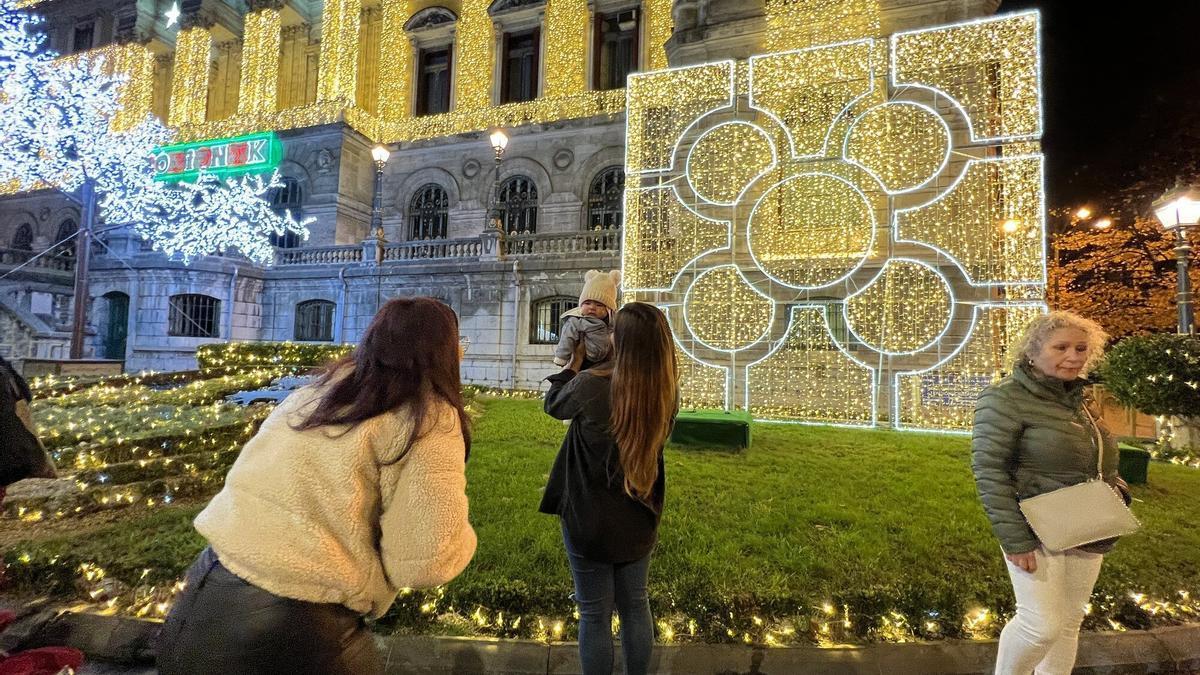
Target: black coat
586	486
21	454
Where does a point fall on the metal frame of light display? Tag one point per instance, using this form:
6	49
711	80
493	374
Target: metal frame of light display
823	226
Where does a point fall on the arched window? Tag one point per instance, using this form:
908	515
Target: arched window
23	238
66	229
193	315
606	208
314	321
518	204
427	213
547	318
289	197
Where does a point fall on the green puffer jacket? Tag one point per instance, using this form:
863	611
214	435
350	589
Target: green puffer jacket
1031	436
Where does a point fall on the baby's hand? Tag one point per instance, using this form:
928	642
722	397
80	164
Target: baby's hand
577	356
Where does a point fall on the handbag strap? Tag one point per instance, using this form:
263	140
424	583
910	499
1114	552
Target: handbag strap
1099	438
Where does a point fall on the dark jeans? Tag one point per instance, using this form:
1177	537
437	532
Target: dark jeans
598	587
222	624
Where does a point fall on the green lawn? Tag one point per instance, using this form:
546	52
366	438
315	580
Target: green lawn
784	542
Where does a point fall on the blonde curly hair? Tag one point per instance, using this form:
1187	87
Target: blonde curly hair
1038	331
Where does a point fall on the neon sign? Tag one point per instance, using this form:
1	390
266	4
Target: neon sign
254	153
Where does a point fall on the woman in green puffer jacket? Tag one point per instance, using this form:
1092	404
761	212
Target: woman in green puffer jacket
1031	436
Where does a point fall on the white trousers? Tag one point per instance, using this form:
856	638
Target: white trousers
1043	636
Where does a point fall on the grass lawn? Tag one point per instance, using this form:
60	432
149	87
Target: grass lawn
813	534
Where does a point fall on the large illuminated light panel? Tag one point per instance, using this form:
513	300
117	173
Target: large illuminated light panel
823	226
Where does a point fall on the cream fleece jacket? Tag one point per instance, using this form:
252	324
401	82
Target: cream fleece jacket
314	516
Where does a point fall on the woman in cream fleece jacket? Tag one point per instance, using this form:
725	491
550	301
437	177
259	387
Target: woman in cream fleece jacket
353	488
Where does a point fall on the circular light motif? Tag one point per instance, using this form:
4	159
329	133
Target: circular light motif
724	312
811	230
904	310
726	159
904	145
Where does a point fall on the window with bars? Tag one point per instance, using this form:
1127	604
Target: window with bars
314	321
193	315
615	52
547	318
427	213
23	238
66	229
837	320
289	197
606	207
519	76
518	205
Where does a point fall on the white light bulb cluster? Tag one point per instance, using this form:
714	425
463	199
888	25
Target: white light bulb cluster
57	118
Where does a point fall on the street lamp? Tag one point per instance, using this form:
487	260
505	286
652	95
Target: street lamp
499	141
1179	210
380	154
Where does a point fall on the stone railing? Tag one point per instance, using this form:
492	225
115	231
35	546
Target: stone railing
433	249
319	255
595	241
14	257
483	248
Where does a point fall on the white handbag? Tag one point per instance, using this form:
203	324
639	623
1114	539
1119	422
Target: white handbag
1080	514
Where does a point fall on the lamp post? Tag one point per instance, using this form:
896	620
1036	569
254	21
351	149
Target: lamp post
499	141
380	154
1179	210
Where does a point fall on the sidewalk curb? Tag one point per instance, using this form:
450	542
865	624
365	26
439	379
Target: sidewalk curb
1173	649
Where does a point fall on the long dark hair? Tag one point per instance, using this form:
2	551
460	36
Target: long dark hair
645	386
408	355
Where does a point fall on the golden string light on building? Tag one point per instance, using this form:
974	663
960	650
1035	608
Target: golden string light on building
566	47
473	72
662	104
851	155
395	59
189	84
902	144
260	63
659	26
796	24
668	236
811	229
724	312
835	390
904	309
810	90
992	68
726	158
967	221
945	398
337	74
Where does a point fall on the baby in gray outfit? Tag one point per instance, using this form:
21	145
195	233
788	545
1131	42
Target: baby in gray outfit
590	322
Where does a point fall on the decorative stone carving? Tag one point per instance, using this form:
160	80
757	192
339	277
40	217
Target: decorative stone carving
430	17
470	168
324	161
44	214
563	159
507	5
259	5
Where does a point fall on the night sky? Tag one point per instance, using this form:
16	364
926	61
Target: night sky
1116	81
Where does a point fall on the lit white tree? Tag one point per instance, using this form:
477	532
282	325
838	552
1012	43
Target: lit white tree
56	121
